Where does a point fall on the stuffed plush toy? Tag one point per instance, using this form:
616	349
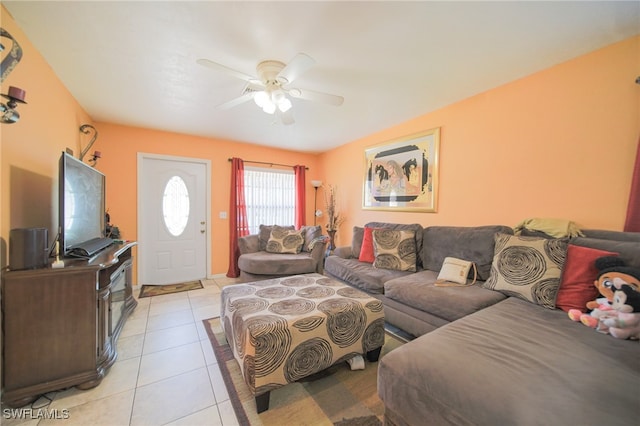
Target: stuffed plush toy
619	285
625	326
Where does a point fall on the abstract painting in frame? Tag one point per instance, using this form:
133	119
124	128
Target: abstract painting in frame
402	174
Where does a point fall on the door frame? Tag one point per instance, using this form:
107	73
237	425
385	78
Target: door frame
140	173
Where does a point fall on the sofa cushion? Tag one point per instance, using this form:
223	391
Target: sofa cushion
310	233
360	274
265	233
513	363
394	249
578	275
356	241
285	241
629	251
528	268
603	234
415	227
450	303
473	243
264	263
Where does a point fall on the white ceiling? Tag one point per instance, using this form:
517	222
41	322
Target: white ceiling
134	63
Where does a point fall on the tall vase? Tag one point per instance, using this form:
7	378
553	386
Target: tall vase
332	236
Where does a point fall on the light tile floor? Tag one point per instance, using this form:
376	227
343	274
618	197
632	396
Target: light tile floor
165	373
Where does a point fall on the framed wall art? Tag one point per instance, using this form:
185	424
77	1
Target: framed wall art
402	174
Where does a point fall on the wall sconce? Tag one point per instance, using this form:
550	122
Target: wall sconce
316	213
8	110
94	159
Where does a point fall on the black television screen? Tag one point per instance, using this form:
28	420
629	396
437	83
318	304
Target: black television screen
81	203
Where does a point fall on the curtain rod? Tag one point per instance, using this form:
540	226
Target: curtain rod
271	164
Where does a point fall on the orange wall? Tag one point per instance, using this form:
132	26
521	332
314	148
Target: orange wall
560	143
120	145
30	148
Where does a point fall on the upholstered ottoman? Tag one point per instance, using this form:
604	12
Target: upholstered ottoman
284	329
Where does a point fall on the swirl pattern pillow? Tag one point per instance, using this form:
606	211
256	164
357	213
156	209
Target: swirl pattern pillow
284	240
528	268
394	249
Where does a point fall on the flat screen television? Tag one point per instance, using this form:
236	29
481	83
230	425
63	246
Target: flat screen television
81	205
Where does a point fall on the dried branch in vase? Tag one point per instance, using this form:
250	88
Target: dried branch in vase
330	201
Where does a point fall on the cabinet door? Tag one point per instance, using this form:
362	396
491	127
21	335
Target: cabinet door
49	321
103	341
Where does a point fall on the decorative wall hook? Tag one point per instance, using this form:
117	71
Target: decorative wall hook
86	129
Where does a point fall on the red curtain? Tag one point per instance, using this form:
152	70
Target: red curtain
632	224
238	224
300	196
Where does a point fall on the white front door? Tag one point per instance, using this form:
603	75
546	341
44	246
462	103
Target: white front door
173	195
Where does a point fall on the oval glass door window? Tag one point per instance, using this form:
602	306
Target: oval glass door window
175	206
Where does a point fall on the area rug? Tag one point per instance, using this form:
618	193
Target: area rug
336	396
148	290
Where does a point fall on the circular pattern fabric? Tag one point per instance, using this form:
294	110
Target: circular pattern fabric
346	320
284	240
315	292
275	292
272	340
527	267
309	323
248	305
373	336
307	358
521	265
298	281
375	306
329	282
295	306
395	249
353	293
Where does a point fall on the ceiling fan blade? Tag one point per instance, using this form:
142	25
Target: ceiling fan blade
218	67
298	66
312	95
237	101
286	117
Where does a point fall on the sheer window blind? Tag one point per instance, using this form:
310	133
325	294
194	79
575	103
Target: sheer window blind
270	196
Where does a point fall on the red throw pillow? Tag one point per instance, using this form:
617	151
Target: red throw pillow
578	275
367	253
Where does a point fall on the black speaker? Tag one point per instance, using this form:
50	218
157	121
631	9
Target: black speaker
28	248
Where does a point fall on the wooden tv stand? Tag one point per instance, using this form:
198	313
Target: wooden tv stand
60	326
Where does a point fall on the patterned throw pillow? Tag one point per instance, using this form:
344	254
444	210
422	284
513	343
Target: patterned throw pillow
265	233
394	249
528	268
284	240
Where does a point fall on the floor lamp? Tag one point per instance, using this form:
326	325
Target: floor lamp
316	184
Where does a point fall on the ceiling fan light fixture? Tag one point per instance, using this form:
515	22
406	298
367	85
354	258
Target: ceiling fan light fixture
269	107
284	105
261	98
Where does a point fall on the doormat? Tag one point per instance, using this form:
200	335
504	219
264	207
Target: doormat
336	396
149	290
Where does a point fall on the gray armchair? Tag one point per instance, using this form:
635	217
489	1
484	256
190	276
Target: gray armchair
258	262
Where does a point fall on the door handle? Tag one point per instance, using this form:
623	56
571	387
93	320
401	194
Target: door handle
202	231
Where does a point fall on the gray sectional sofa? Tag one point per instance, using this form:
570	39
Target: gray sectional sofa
487	357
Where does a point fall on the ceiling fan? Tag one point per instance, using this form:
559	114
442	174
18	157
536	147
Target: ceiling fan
272	88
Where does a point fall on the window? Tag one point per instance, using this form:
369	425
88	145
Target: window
175	206
270	196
